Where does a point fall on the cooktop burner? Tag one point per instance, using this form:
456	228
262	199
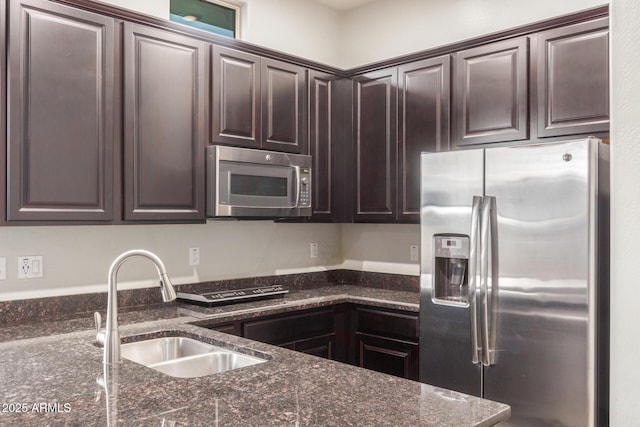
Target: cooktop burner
233	295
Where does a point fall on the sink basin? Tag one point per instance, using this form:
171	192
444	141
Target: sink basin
157	350
206	364
184	357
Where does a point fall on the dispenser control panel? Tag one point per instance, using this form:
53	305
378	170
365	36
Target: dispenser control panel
451	265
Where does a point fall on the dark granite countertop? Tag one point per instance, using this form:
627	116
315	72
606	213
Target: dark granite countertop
48	376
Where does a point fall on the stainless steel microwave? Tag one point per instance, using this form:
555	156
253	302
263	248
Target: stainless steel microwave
243	182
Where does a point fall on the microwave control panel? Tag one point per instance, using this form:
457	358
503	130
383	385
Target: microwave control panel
305	193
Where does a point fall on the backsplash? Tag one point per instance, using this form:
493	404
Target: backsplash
71	306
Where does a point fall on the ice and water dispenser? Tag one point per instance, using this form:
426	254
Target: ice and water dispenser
451	269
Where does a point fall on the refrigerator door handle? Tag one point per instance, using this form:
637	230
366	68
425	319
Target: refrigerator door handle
489	250
473	268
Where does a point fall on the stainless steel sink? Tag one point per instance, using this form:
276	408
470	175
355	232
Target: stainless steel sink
185	357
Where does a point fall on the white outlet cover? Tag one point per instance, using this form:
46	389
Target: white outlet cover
30	267
3	268
314	250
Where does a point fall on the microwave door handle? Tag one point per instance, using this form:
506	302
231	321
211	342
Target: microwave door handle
473	265
297	199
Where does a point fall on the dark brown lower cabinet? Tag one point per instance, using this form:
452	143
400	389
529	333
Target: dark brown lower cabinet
385	341
312	332
379	339
390	356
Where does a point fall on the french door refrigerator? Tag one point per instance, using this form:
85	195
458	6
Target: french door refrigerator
514	278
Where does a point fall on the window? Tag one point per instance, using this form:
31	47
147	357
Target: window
209	15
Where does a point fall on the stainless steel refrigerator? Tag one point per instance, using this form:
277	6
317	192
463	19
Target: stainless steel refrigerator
514	278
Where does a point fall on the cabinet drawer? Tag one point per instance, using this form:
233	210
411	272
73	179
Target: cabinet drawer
389	324
282	329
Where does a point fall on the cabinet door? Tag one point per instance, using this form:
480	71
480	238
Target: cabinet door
573	79
165	90
491	98
283	107
423	125
287	329
322	346
389	356
321	143
235	110
60	103
375	97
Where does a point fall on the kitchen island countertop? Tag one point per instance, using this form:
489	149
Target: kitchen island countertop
49	376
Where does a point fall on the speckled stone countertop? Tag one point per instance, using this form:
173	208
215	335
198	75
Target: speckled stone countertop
49	371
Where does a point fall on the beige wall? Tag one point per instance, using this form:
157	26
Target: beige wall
382	248
76	258
625	210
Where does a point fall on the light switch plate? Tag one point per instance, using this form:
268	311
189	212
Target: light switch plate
194	256
413	252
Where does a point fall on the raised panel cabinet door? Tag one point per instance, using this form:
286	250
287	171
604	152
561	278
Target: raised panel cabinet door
321	346
235	109
424	94
573	79
490	93
283	90
389	356
321	144
60	103
375	97
165	140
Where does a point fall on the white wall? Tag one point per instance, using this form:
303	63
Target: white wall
387	28
76	258
625	207
302	28
157	8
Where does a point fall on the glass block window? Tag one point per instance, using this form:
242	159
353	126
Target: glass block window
210	15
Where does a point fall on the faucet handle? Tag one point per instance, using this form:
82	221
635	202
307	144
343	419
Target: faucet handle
100	335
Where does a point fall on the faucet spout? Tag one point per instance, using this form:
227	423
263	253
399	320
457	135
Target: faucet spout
111	335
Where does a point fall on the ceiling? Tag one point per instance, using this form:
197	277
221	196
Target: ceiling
344	5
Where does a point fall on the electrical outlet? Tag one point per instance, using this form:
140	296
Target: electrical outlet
3	268
413	252
314	250
29	267
194	256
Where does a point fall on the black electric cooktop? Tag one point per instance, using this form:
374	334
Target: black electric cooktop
233	295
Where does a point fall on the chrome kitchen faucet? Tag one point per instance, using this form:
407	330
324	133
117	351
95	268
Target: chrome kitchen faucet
110	338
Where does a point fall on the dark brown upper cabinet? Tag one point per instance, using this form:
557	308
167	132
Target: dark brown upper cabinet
491	93
375	129
235	112
424	96
321	143
61	123
258	102
165	88
283	90
573	79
